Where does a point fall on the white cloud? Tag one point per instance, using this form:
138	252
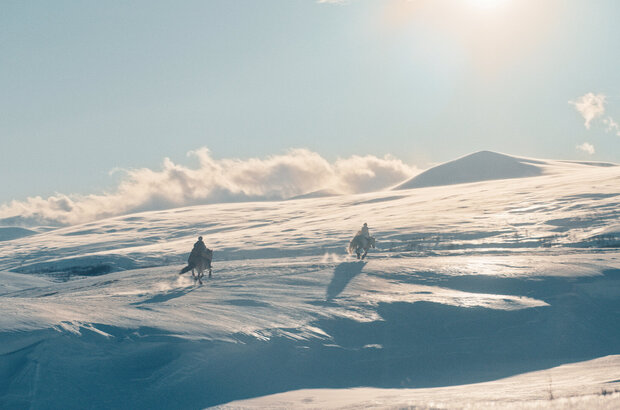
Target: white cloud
587	148
612	126
297	172
590	106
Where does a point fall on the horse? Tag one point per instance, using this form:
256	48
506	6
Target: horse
359	243
198	263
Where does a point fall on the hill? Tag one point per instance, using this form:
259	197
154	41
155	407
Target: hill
485	166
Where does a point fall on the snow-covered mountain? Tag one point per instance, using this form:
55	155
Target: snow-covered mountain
512	284
488	165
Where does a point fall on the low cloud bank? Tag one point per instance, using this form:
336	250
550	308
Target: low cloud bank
297	172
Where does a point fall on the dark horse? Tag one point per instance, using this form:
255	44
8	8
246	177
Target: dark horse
360	243
198	262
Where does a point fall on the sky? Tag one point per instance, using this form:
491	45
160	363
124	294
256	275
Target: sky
95	93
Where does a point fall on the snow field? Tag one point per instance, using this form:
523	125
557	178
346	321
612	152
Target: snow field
493	293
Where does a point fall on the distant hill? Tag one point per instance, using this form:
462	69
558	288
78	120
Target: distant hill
488	165
322	193
8	233
479	166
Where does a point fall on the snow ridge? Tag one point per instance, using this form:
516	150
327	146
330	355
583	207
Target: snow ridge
485	166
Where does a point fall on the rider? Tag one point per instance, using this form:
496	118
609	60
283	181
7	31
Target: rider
200	248
364	231
199	252
200	245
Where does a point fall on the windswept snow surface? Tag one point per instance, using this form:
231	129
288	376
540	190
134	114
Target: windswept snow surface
503	282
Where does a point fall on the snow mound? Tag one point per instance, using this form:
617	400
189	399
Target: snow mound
13	232
479	166
606	237
321	193
544	389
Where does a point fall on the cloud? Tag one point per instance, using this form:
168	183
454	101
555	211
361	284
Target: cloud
297	172
587	148
612	126
590	106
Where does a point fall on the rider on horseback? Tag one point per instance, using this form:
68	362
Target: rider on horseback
200	247
199	252
364	231
199	258
361	242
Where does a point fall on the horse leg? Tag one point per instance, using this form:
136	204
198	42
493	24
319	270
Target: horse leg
365	252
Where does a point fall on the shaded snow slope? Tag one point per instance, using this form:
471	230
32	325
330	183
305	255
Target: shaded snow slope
146	338
597	381
481	283
484	166
8	233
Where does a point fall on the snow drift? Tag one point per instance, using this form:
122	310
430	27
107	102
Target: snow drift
544	389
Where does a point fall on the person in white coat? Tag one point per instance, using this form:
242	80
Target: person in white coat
364	231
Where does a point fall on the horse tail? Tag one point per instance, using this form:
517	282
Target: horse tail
353	245
186	269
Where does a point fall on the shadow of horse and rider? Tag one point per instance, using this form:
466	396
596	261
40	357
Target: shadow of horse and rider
346	271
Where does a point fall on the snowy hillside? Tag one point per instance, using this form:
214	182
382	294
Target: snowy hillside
512	283
487	165
14	232
554	388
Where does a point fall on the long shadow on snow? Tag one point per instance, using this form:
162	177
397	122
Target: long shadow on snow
343	274
163	297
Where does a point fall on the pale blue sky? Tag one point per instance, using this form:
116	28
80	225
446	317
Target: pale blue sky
89	86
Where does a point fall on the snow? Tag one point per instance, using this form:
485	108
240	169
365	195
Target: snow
489	293
596	381
487	165
12	232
